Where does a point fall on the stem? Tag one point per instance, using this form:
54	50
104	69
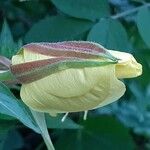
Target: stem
5	62
40	120
6	75
48	142
128	12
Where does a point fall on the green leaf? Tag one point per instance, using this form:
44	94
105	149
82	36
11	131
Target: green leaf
5	90
109	33
6	36
7	45
86	9
136	39
143	22
9	105
104	133
56	123
57	28
144	57
6	117
6	41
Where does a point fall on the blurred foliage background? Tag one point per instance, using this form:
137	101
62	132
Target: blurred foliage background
116	24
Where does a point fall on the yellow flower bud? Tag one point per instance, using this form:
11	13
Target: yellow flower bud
73	86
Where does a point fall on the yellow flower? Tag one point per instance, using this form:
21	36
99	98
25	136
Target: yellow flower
71	76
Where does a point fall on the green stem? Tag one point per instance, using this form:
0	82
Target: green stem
40	120
48	142
128	12
6	75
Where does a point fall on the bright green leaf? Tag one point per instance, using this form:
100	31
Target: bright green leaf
57	28
109	33
143	23
86	9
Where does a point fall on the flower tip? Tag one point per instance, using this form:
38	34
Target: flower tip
139	70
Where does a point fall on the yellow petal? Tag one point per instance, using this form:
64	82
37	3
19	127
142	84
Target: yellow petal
27	56
127	66
74	90
31	56
18	59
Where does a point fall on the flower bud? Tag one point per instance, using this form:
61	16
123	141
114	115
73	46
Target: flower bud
71	76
